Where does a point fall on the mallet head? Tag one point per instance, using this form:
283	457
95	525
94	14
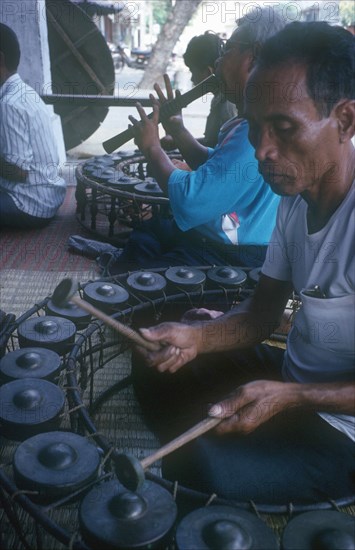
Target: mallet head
64	292
129	471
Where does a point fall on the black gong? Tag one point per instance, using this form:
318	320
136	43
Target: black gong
70	311
29	406
186	278
105	296
148	187
103	174
123	182
90	167
146	282
113	518
224	528
56	333
320	530
226	276
105	160
81	64
55	464
93	165
30	363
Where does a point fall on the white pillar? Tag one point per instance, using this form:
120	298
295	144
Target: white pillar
28	20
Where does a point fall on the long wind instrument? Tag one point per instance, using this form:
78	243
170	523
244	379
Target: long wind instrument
167	109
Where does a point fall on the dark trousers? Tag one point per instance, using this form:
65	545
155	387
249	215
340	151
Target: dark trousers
11	216
294	457
160	243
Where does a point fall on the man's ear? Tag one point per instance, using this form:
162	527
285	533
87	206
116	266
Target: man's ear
345	114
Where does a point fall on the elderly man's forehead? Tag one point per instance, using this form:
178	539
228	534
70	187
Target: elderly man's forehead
280	84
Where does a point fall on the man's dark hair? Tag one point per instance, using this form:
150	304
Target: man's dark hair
10	47
202	51
328	52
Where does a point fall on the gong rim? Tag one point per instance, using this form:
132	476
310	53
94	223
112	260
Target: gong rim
228	276
148	188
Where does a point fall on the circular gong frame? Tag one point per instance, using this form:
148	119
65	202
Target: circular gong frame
110	210
95	349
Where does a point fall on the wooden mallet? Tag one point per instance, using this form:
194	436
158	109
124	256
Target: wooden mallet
65	292
130	470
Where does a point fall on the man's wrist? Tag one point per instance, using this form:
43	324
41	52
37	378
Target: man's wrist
199	330
12	172
179	132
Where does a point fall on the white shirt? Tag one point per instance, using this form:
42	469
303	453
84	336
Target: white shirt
27	140
320	346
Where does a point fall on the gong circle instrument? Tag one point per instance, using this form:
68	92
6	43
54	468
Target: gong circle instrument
115	193
49	497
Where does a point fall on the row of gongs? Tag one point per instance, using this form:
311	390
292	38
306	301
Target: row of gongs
57	328
33	401
54	465
104	170
57	464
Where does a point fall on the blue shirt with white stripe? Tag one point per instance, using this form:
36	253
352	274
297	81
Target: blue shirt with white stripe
226	198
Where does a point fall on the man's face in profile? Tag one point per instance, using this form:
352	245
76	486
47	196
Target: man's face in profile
296	147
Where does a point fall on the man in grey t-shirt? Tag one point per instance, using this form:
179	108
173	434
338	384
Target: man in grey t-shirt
296	407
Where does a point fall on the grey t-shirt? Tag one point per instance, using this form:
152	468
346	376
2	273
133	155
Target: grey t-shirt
320	346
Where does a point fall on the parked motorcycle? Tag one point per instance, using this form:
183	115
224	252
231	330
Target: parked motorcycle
140	58
137	59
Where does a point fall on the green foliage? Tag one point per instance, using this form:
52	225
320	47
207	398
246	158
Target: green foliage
347	12
161	9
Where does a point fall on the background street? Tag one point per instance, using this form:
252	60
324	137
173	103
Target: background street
117	118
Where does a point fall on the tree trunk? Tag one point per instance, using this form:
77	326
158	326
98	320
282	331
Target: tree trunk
177	20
